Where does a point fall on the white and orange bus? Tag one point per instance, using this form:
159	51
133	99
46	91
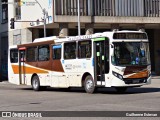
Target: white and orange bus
119	59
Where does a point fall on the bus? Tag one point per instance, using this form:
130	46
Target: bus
119	59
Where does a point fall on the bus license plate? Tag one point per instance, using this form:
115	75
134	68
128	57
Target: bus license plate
135	81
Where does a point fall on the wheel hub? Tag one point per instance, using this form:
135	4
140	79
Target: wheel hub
89	84
35	83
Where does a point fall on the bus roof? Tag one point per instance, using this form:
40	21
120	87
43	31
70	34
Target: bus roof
58	39
47	38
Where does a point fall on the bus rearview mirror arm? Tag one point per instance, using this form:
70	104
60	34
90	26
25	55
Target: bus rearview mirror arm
112	50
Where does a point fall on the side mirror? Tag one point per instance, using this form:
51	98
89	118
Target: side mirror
112	50
112	46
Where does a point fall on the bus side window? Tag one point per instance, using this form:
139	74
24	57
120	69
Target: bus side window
31	55
70	50
14	55
84	49
57	53
43	53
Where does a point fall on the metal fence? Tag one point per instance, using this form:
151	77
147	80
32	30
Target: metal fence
137	8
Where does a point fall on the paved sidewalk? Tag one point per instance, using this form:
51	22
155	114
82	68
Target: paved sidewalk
155	77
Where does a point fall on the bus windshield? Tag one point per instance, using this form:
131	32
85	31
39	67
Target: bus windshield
131	53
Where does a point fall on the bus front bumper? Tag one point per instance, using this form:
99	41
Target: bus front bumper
130	82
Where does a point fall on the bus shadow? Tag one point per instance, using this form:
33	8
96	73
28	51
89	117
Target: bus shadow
51	89
129	90
74	90
101	90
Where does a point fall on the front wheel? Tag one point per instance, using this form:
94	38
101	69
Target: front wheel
89	84
35	83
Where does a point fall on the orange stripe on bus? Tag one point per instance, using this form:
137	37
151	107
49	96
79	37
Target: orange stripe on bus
27	70
141	74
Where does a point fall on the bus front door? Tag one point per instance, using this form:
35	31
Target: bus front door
101	58
22	66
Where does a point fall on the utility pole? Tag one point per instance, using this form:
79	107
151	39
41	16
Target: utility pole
44	21
79	25
44	17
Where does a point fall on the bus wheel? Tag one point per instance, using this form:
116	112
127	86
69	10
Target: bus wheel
89	84
121	89
35	83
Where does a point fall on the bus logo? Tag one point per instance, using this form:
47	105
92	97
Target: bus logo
6	114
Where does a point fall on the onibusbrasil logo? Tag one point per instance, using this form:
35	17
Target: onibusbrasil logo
27	3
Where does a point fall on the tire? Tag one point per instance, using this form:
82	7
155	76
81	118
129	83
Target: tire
121	89
89	84
35	83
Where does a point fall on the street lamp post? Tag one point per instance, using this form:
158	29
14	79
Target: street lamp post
79	26
44	21
44	17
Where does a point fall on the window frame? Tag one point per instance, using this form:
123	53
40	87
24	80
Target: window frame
4	16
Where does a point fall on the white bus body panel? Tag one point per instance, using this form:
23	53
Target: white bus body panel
13	78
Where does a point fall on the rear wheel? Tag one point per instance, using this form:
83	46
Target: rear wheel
89	84
35	83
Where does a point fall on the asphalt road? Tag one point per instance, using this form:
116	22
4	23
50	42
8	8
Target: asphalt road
23	98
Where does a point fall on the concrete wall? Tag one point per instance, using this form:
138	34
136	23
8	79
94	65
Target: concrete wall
107	19
20	36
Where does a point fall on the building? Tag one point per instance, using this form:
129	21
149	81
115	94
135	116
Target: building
3	39
95	16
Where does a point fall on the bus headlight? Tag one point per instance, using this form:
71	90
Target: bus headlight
117	75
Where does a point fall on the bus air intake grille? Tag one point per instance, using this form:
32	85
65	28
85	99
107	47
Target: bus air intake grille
135	81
